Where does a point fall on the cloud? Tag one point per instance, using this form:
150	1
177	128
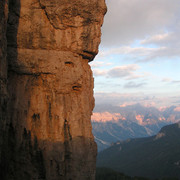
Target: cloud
98	72
132	84
145	54
157	39
132	27
169	80
128	50
123	71
176	82
97	64
119	99
127	72
168	45
116	98
166	80
127	21
135	32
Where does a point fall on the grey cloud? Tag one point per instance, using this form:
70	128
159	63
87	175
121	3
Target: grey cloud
127	21
119	72
170	81
165	52
168	39
123	71
132	84
118	99
167	80
127	71
176	82
140	54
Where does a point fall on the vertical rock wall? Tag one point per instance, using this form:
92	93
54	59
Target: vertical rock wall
3	70
50	88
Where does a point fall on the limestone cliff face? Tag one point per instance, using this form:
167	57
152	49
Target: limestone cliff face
3	70
50	88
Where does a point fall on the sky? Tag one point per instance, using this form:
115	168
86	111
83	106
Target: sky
139	54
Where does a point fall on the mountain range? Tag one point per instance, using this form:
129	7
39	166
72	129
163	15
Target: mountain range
114	123
157	156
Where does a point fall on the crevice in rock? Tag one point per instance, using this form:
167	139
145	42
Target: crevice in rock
50	113
67	134
36	117
77	88
88	55
45	12
69	64
30	74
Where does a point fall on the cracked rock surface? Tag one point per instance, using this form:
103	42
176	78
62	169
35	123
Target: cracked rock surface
47	89
3	70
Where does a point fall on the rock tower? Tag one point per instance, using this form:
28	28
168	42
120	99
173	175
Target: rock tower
46	88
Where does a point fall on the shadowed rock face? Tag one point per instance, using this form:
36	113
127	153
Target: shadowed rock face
3	69
50	89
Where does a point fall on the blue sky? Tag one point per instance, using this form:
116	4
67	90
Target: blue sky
139	55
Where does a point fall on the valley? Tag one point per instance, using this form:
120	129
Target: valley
151	157
113	123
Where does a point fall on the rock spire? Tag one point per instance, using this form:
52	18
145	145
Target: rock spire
47	88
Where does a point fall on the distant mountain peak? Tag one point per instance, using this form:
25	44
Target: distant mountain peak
115	123
106	117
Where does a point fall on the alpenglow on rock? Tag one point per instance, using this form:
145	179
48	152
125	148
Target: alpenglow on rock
46	132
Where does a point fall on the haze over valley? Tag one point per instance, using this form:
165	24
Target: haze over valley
151	157
113	123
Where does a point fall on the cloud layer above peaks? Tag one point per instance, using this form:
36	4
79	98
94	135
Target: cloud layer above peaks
127	21
140	49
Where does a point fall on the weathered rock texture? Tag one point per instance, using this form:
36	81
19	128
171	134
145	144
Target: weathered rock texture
50	88
3	69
